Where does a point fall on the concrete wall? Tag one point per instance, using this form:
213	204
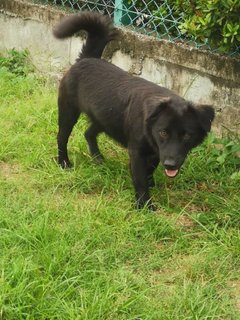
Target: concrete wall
197	75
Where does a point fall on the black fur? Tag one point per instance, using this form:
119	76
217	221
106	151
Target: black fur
152	122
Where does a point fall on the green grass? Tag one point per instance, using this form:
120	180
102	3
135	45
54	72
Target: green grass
72	246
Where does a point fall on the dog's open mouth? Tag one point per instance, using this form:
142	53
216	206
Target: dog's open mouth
171	173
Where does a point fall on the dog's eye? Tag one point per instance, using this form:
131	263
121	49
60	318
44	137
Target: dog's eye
163	134
186	137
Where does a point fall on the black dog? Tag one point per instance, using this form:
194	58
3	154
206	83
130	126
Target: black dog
154	123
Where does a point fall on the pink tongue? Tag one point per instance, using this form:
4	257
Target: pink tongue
171	173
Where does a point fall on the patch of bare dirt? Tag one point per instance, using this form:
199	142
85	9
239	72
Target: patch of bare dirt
185	221
192	208
8	170
235	292
171	273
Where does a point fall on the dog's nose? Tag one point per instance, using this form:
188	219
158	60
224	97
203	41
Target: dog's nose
169	163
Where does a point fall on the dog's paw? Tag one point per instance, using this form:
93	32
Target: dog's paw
145	205
98	158
152	207
65	164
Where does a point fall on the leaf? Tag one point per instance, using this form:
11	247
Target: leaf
202	21
235	175
229	26
221	159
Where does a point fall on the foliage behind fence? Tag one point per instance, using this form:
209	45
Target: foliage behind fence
208	24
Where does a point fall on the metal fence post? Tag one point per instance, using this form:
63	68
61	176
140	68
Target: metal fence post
118	12
123	12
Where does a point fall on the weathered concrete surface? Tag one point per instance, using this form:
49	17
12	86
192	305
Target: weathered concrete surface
199	76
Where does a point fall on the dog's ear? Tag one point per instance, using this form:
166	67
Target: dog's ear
205	115
154	106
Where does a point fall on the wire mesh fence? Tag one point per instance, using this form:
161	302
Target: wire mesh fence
160	18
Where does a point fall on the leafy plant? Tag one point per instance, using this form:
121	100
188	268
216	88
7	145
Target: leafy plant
17	62
227	151
213	22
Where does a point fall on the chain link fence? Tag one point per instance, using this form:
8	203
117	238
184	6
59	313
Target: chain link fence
151	17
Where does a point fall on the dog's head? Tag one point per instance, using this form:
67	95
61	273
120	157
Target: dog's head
175	126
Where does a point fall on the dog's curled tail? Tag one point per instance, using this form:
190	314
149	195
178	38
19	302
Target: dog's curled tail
99	28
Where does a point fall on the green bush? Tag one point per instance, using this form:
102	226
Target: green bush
213	22
17	62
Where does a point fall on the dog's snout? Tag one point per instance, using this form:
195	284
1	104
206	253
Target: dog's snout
170	163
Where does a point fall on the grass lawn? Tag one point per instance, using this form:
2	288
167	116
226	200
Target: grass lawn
72	246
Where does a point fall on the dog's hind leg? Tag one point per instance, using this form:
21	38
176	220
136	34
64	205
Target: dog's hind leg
67	118
91	137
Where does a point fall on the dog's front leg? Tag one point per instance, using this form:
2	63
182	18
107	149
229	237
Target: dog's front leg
139	172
